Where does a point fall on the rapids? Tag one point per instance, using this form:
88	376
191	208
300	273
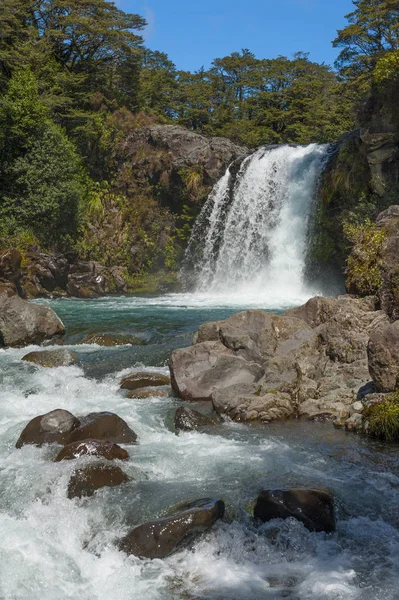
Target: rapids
52	548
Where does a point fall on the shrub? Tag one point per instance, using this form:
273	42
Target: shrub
383	418
363	272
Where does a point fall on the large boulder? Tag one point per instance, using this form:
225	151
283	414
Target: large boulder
143	379
99	448
22	323
103	426
52	358
50	428
10	265
160	538
198	371
86	480
383	357
249	403
43	273
314	508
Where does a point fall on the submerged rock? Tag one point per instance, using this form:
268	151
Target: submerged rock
160	538
314	508
22	323
144	379
100	448
52	358
188	419
103	426
109	340
87	480
51	428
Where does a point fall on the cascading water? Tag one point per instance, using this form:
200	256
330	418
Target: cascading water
251	236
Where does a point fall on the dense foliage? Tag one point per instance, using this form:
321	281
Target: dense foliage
383	418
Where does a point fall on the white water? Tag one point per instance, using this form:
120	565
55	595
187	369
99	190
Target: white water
249	243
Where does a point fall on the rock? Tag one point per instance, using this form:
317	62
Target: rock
198	371
144	379
100	448
52	358
103	426
22	323
10	265
87	480
188	419
160	538
148	392
314	508
50	428
44	273
109	340
249	403
354	423
357	406
383	357
90	280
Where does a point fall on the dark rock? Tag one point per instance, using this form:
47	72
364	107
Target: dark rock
22	323
160	538
188	419
143	379
10	265
383	357
43	273
87	480
314	508
50	428
100	448
149	392
52	358
103	426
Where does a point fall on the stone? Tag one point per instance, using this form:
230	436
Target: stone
357	406
10	265
383	357
103	426
197	371
149	392
354	423
22	323
52	358
85	481
160	538
249	403
188	419
144	379
51	428
314	508
99	448
109	340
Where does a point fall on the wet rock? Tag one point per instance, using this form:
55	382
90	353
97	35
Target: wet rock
383	357
149	392
103	426
249	403
52	358
109	340
100	448
51	428
314	508
354	423
87	480
188	419
143	379
197	371
160	538
22	323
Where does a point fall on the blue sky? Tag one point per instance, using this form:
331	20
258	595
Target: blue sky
194	32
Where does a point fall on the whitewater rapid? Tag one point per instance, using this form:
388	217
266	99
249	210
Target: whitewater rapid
250	241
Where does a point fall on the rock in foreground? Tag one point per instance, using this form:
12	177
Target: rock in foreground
51	358
103	426
144	379
87	480
22	323
99	448
51	428
314	508
158	539
188	419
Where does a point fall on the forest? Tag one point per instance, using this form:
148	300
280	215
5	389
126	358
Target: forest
76	79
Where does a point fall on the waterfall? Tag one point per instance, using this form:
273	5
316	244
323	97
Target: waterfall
251	236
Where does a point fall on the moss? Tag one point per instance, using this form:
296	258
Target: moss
151	283
383	419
